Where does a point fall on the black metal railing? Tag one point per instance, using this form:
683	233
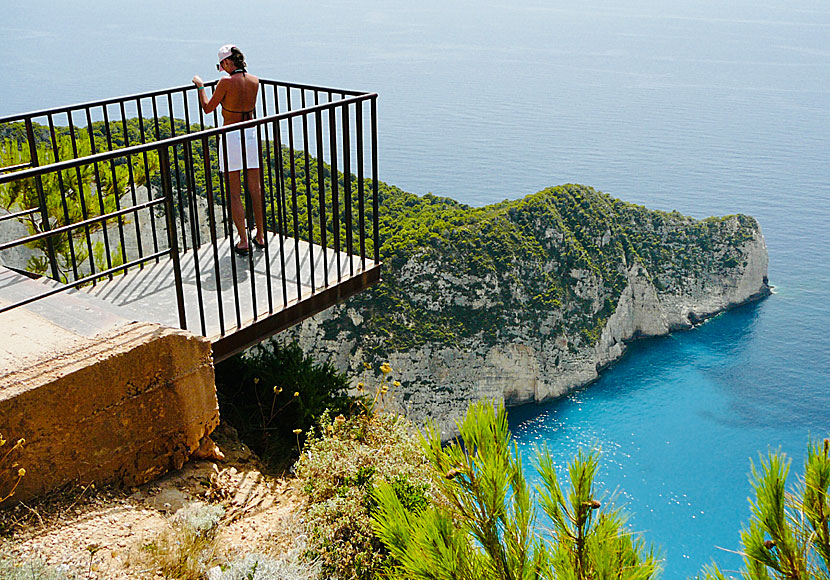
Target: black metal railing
108	187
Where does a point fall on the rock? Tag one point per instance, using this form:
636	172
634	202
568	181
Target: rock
208	450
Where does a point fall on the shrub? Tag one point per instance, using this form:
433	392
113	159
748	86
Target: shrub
272	390
199	519
339	469
262	567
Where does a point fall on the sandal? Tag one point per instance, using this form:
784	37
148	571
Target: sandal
241	251
257	243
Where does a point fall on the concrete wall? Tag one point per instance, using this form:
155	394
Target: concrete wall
103	399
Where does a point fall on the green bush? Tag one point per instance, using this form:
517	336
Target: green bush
339	469
274	389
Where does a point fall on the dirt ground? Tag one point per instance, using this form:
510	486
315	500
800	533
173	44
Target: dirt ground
100	533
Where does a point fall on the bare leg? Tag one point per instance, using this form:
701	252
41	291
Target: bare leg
252	181
237	211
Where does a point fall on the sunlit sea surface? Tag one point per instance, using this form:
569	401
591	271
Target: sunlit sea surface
705	107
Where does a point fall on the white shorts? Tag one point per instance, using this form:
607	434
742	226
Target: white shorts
234	150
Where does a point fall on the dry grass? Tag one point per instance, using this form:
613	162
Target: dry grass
188	548
14	569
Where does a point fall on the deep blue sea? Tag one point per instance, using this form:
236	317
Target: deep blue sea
701	106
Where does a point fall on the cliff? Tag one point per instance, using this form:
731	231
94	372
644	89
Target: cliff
527	300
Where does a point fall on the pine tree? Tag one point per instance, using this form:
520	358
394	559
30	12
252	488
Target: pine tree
482	524
787	536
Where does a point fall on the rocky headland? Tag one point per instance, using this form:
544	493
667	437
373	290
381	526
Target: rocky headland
526	300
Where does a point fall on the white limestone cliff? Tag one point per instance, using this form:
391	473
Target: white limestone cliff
439	380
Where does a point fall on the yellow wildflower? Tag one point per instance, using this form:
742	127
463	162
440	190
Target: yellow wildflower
296	393
384	389
340	419
21	472
93	548
277	390
396	384
385	368
256	380
360	387
297	431
367	366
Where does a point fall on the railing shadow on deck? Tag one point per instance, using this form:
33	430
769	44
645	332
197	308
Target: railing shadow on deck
123	198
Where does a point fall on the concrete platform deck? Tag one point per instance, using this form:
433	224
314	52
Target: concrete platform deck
263	300
233	316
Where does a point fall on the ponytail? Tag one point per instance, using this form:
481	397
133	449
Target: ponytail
237	58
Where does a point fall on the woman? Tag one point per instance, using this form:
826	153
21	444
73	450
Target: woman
237	94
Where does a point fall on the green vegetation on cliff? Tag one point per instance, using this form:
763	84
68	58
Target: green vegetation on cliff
559	257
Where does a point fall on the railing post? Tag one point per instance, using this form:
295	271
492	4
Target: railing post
167	190
361	204
41	199
375	201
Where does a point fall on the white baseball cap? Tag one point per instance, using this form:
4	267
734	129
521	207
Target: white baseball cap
225	51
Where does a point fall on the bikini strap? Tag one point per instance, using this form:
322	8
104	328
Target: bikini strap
248	112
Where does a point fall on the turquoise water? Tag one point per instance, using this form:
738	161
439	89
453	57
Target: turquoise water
676	422
696	106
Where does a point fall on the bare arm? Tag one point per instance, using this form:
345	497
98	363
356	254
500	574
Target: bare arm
209	105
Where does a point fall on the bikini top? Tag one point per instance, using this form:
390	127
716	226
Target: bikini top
246	115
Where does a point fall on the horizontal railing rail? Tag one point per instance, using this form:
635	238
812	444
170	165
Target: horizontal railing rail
163	93
34	171
103	192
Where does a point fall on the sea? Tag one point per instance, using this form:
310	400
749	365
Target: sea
702	106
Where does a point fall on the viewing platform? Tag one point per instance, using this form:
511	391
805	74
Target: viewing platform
123	199
119	286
